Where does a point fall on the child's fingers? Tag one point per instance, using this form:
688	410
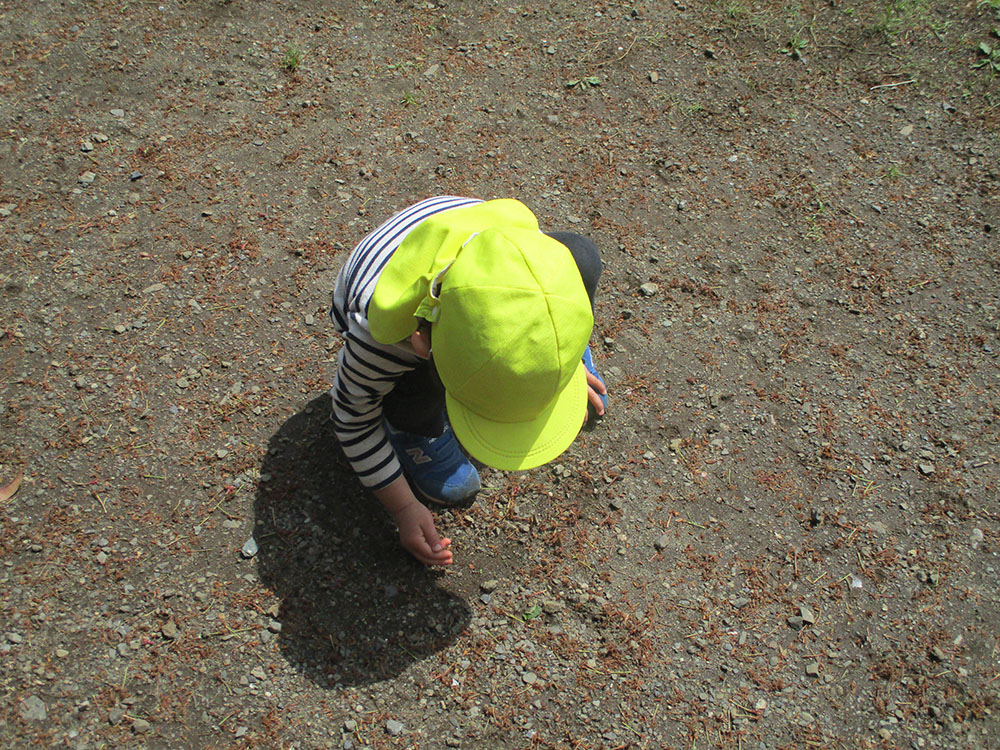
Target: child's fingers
437	547
595	401
430	534
595	382
427	556
444	557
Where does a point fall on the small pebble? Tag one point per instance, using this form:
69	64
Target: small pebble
808	618
394	728
33	709
878	527
552	606
250	548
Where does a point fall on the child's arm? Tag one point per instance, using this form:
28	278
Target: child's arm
416	524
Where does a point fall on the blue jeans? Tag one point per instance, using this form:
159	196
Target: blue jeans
416	402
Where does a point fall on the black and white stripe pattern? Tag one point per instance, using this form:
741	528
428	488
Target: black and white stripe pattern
368	370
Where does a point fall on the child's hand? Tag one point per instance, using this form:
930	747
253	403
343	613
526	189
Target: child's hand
595	387
418	534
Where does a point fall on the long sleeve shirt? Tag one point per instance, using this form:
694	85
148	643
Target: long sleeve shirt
366	369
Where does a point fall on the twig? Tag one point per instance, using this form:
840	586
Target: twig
229	631
821	108
691	523
892	85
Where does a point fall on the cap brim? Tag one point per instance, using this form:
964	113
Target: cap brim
516	446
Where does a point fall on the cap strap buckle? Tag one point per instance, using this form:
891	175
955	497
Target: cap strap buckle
429	309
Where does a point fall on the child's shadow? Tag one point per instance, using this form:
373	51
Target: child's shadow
355	607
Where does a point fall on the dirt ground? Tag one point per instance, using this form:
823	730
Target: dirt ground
785	533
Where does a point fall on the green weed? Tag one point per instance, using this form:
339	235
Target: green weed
583	83
795	46
736	10
815	231
991	57
533	612
292	59
738	14
900	17
938	28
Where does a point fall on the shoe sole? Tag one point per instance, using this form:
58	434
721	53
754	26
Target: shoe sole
468	503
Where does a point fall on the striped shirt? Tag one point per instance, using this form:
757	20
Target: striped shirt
366	369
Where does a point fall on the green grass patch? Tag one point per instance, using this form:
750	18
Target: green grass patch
293	58
902	17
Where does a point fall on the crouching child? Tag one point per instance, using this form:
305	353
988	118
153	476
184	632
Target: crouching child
466	330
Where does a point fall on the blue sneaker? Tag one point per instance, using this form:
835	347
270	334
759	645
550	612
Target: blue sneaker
588	362
436	467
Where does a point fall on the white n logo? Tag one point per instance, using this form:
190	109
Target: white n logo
418	455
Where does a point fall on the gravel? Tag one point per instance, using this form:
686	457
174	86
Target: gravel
783	534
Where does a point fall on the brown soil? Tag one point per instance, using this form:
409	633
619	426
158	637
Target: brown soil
784	534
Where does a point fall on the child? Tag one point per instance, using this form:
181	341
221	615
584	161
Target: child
509	312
